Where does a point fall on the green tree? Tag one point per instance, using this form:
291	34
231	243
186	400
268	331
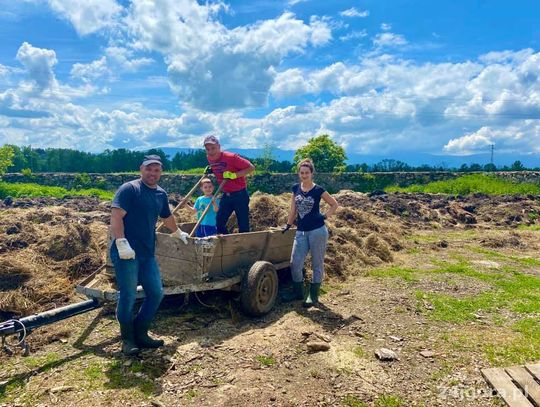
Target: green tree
326	154
6	157
517	166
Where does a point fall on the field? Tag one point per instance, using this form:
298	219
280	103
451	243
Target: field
450	283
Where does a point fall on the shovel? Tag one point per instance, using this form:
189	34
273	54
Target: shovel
207	208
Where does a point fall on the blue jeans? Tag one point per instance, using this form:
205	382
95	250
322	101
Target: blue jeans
205	231
129	273
315	242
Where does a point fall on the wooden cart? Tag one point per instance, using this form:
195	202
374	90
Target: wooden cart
246	262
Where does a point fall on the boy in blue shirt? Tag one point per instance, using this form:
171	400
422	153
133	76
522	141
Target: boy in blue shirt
208	224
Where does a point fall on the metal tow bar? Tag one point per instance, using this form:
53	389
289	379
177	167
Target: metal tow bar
22	327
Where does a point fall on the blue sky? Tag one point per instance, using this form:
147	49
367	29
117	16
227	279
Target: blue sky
381	77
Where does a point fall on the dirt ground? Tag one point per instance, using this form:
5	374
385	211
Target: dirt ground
450	285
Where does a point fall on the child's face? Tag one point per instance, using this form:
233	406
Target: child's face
207	188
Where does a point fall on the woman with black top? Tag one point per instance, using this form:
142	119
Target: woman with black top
312	234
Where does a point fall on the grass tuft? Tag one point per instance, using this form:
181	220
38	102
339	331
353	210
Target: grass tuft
29	190
471	184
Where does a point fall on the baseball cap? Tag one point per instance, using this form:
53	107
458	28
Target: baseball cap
211	140
152	159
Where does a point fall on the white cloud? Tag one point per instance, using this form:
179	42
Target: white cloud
353	12
393	104
116	61
386	26
470	143
95	70
388	39
519	137
87	16
123	58
294	2
39	64
354	35
381	103
215	68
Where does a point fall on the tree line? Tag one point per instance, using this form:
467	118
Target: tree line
327	155
32	160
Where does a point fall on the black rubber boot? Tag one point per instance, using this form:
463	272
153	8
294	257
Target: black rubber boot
297	293
141	336
313	297
129	348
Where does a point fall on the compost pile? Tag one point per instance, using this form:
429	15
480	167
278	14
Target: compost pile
356	239
44	251
47	245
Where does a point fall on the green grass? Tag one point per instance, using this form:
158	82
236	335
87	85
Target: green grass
534	228
494	255
470	184
523	349
395	272
266	360
509	289
352	401
20	190
192	393
359	351
46	360
389	401
122	377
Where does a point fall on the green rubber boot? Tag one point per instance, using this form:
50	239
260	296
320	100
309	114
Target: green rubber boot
141	336
129	348
313	297
297	293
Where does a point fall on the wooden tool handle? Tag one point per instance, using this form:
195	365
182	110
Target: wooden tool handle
207	209
184	200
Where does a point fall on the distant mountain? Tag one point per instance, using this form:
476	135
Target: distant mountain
413	159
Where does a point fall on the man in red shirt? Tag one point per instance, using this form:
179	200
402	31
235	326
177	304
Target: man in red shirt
233	168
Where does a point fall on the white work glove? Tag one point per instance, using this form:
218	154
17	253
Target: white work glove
124	249
180	235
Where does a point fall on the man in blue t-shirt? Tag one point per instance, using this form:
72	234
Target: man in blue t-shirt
135	210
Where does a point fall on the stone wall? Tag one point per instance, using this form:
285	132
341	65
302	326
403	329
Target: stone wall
271	183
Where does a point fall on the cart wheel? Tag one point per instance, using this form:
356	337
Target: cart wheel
259	289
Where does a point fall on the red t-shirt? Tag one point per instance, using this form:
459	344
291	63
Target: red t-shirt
230	162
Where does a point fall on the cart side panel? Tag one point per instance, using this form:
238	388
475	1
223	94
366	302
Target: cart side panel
181	263
177	271
172	247
237	251
279	246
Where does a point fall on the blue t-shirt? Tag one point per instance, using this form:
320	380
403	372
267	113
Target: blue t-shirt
143	206
200	204
308	212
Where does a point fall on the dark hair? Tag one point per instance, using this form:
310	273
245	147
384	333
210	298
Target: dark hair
306	162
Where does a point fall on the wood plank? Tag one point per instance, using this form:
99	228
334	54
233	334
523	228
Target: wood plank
176	271
172	247
526	382
190	288
502	383
240	243
278	254
534	370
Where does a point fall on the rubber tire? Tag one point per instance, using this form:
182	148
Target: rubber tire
259	289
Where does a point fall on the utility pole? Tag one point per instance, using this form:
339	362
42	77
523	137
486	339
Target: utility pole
492	148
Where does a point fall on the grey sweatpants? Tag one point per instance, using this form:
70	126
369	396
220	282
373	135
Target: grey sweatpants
315	242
